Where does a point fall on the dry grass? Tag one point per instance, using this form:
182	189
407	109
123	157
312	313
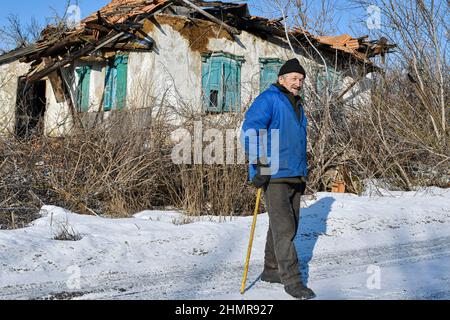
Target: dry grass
67	233
117	170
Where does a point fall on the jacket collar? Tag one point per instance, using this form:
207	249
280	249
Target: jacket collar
281	88
278	87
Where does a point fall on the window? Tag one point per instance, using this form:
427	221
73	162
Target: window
82	90
221	82
332	80
270	68
116	84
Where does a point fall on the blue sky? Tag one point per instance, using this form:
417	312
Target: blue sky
344	17
42	9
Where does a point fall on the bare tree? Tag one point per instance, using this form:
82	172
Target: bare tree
401	134
412	95
15	34
420	28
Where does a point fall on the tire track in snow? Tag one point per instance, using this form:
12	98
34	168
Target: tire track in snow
207	281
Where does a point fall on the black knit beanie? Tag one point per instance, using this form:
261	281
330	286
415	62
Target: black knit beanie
292	65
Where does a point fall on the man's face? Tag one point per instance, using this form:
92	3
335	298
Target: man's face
293	82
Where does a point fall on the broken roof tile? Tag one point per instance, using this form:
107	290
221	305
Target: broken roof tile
122	14
118	11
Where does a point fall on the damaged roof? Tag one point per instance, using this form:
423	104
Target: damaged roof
119	26
119	11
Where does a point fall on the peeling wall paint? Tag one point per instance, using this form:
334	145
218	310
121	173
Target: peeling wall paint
9	76
57	117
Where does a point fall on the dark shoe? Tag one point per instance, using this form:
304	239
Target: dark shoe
299	291
271	276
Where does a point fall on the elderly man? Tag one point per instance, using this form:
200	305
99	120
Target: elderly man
275	144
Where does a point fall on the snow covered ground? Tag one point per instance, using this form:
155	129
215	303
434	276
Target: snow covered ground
394	246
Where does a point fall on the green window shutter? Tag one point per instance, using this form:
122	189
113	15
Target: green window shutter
332	79
121	87
232	81
116	84
336	80
205	82
212	84
269	72
221	83
321	82
238	87
108	98
84	80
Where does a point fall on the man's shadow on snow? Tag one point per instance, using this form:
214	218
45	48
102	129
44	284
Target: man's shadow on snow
313	223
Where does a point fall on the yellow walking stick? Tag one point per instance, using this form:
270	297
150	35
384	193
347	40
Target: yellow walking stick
252	232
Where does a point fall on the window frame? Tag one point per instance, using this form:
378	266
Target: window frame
263	62
335	80
227	65
116	83
83	84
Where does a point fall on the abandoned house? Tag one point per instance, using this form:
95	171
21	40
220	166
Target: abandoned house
207	56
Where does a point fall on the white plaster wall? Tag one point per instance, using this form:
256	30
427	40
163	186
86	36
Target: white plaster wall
173	71
143	85
9	76
57	117
359	95
96	86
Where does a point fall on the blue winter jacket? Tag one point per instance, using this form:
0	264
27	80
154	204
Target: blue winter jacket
283	142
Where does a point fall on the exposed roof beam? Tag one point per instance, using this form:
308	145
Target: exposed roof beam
88	49
68	59
230	29
17	54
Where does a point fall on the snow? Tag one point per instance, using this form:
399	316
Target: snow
384	245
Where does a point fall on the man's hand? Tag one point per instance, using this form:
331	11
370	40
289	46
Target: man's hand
260	180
